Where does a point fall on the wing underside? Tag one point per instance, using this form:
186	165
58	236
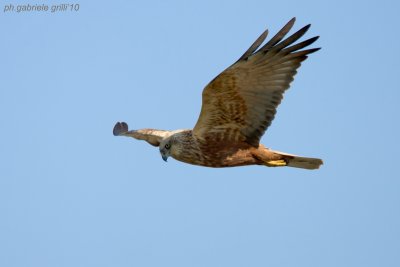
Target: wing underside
240	103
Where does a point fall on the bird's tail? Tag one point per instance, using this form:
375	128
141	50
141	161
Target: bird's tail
300	162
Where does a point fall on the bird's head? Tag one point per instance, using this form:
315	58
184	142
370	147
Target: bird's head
172	146
165	148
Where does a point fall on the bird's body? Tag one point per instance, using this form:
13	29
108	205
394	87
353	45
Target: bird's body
238	106
187	148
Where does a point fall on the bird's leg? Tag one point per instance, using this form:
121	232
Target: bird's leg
269	158
276	163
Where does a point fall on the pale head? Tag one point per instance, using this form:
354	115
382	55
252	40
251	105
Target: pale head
171	145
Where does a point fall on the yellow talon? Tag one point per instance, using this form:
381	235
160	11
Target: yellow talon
277	163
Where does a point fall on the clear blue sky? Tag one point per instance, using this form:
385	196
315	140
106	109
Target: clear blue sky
72	194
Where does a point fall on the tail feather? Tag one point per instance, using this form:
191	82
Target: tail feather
300	162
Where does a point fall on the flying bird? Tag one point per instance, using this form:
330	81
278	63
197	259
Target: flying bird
237	108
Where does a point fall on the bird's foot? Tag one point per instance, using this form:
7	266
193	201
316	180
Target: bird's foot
277	163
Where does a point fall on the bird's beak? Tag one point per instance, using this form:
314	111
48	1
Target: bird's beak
164	154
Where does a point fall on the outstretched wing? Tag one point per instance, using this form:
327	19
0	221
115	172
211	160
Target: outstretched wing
151	136
240	103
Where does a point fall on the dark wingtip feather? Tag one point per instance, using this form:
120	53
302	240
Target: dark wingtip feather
120	128
276	43
300	45
279	36
255	45
313	50
293	38
315	38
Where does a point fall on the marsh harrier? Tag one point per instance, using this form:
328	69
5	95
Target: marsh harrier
237	108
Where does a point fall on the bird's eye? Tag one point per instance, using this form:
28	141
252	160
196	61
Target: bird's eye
167	146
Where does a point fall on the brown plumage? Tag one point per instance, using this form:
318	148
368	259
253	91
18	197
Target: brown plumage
238	106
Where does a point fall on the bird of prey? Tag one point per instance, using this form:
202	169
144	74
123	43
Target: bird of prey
237	108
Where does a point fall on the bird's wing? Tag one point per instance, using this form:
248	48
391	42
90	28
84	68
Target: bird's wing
240	103
151	136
